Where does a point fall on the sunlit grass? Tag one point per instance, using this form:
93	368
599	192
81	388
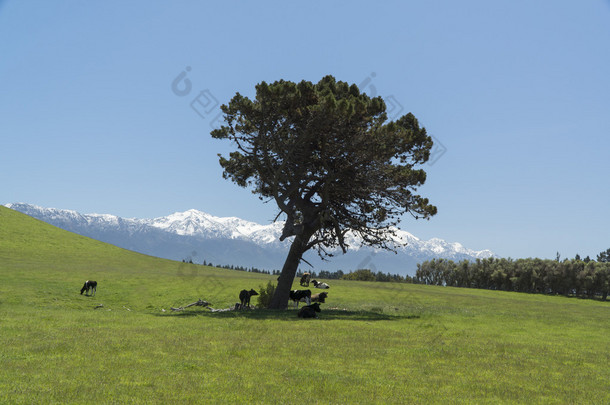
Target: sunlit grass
374	342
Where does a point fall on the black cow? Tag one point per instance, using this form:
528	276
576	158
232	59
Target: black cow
305	279
298	295
244	297
309	311
89	285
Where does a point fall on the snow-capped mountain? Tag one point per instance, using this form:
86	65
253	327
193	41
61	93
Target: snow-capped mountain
199	224
200	236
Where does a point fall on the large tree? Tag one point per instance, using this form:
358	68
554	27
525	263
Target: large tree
328	156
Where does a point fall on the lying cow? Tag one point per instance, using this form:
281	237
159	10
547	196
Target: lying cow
320	297
320	285
309	311
244	297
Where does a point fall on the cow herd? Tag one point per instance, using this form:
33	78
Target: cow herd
310	310
313	301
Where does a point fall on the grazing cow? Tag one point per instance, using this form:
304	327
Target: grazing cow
244	297
309	311
305	278
89	286
298	295
320	285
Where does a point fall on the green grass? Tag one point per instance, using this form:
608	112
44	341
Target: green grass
374	342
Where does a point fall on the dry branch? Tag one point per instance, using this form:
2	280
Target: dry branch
199	303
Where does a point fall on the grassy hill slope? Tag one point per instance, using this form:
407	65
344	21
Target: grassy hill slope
374	342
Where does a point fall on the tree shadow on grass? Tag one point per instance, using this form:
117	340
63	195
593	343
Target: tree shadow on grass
291	315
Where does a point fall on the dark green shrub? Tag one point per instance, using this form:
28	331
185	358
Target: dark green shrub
265	295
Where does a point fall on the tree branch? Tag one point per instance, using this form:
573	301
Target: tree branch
199	303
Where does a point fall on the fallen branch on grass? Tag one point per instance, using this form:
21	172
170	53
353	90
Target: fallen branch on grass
233	308
199	303
206	304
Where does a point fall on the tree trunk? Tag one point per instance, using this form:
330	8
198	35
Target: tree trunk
284	284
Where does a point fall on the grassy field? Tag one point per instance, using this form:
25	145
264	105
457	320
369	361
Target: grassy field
374	342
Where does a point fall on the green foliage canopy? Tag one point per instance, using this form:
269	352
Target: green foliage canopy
604	256
326	156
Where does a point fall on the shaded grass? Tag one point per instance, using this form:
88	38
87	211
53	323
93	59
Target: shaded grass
380	342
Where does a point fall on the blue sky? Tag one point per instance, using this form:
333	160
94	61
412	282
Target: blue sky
516	93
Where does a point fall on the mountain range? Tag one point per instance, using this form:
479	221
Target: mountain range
198	236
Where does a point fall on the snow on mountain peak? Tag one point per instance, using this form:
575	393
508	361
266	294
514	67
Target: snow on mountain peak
198	223
198	226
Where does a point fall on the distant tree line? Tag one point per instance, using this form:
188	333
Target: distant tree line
232	267
570	277
360	275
